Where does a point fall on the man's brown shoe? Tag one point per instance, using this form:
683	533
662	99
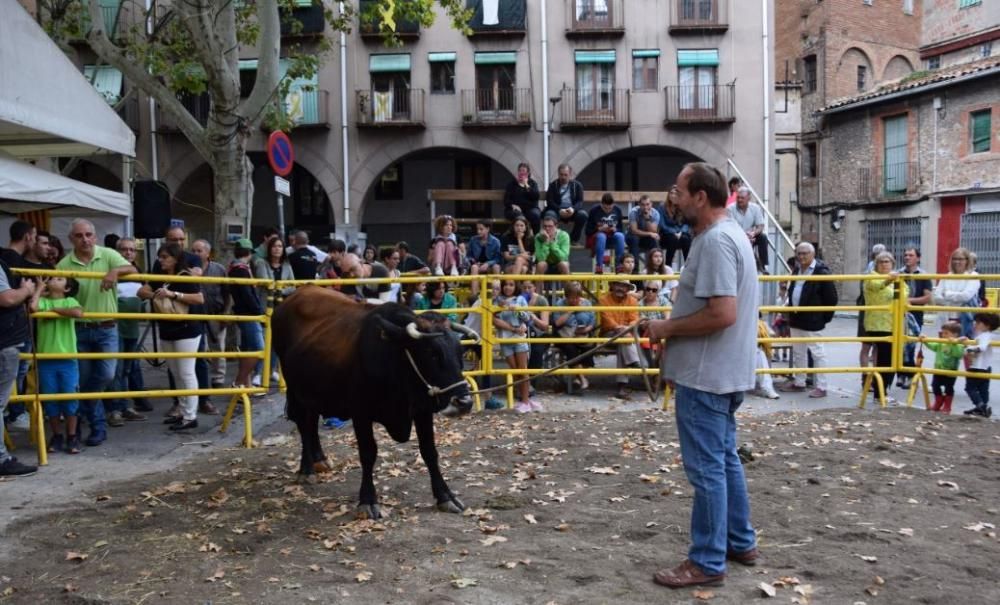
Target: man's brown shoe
687	574
207	408
748	558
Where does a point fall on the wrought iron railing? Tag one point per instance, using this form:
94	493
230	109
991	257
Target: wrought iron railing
888	181
705	104
595	16
496	107
594	107
400	107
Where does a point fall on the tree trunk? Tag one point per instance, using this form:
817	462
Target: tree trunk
233	189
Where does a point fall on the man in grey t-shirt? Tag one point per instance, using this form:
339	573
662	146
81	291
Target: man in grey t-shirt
751	219
709	350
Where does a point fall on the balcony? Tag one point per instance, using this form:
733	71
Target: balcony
888	182
198	106
693	105
392	109
496	108
509	22
303	21
595	109
699	17
595	18
368	28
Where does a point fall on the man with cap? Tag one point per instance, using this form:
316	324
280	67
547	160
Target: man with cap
620	294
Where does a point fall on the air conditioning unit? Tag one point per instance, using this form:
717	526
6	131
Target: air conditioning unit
867	2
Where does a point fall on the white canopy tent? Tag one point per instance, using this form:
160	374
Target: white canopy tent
49	109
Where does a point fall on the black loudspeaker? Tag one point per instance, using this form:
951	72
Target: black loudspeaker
152	208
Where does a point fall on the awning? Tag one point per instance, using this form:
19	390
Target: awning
654	52
595	56
442	57
106	80
32	188
692	58
47	107
384	63
500	58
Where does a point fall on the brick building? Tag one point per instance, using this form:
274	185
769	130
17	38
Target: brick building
635	88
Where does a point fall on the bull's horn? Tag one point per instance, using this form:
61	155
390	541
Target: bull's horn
411	329
464	329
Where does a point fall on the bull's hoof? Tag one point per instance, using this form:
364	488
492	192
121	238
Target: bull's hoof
453	411
322	466
368	511
451	505
306	479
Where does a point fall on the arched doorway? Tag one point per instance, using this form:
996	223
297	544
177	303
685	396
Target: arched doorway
308	208
644	168
193	202
395	205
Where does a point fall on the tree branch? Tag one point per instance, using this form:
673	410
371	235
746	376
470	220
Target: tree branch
98	40
268	50
197	18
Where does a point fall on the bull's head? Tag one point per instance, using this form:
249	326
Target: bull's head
435	359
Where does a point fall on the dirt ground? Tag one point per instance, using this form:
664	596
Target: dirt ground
852	506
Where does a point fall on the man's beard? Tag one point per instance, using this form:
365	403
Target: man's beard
691	221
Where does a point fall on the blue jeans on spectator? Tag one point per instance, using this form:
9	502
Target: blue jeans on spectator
601	244
16	409
720	515
637	245
96	374
58	376
128	375
252	339
8	373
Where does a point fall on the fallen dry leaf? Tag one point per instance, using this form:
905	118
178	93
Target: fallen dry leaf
867	558
78	557
103	498
209	547
702	595
530	518
602	470
767	589
949	484
464	582
70	588
562	527
218	575
363	576
491	540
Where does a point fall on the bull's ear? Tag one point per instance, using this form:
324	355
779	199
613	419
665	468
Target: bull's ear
389	330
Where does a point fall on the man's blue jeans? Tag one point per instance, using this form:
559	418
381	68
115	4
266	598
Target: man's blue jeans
8	373
96	374
720	518
128	375
16	409
601	244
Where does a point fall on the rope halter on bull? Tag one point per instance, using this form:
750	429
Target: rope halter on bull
434	391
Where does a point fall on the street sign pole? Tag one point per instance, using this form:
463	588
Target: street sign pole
281	157
281	217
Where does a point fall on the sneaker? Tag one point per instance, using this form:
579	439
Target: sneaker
817	393
22	422
12	468
132	415
174	411
598	270
73	445
535	406
56	443
454	271
275	377
115	419
438	270
522	407
494	404
206	408
791	387
771	394
255	381
334	423
988	413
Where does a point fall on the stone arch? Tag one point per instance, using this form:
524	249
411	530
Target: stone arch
897	67
97	173
640	168
846	82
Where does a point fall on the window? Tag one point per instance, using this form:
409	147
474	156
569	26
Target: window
809	72
696	77
495	87
595	83
645	65
442	73
389	185
809	165
106	80
867	2
934	63
896	165
248	76
697	10
390	99
593	13
862	77
967	3
907	7
980	127
986	49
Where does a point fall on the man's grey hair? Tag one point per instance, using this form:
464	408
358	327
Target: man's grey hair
806	247
123	240
743	190
566	166
878	249
207	243
81	221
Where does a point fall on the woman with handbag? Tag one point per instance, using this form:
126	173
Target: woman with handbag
177	336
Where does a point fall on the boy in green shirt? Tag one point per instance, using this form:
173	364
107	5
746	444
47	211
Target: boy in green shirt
551	248
59	375
947	356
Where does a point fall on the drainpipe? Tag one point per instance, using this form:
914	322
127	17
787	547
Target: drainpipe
343	124
545	91
766	84
154	153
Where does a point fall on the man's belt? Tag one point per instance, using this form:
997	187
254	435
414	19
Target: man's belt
107	323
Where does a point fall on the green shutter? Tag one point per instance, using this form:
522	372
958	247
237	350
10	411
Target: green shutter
388	63
981	126
642	54
501	58
896	153
441	57
248	64
967	3
692	58
305	93
106	80
595	56
303	3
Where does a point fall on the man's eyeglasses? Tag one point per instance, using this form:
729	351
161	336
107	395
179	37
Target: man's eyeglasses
652	289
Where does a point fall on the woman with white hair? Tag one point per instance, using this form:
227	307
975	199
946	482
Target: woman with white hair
958	292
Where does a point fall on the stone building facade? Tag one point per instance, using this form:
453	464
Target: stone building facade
636	88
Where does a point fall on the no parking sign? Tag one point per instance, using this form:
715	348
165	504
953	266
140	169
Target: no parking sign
280	154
